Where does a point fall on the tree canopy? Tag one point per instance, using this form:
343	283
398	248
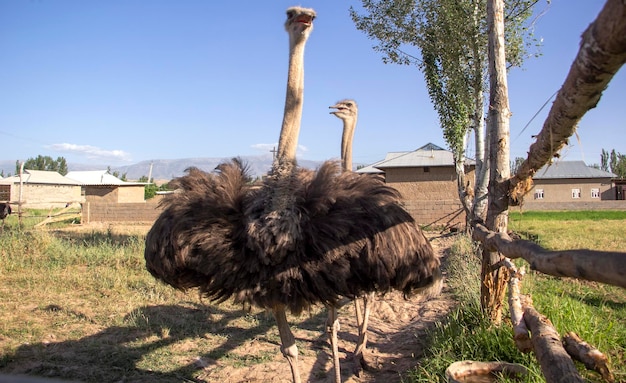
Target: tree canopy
450	38
44	163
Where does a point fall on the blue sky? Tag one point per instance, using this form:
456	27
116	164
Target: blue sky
113	82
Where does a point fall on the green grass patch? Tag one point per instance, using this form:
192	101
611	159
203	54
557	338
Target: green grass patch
595	215
596	312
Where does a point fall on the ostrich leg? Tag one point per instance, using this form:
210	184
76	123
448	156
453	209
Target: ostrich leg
288	342
332	327
362	323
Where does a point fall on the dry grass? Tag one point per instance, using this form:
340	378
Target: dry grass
78	304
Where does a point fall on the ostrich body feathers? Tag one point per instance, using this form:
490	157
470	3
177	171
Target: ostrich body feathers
336	234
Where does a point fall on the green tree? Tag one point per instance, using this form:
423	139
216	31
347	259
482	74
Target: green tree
451	37
618	164
44	163
604	160
150	191
516	164
116	174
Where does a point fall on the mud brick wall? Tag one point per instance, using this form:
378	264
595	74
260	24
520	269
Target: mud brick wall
437	214
533	205
120	212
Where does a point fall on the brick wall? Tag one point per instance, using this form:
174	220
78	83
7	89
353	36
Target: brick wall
431	197
44	196
437	214
120	212
533	205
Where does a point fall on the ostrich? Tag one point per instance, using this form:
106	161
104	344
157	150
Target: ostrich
303	237
347	110
5	211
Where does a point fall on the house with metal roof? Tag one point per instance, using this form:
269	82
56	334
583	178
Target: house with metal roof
571	181
40	189
100	186
426	178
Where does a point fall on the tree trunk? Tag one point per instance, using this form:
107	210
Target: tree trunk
493	275
481	174
480	137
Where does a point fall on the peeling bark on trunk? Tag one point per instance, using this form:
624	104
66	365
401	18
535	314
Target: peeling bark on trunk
556	365
602	53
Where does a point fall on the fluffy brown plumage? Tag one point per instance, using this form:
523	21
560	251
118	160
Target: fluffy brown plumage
326	244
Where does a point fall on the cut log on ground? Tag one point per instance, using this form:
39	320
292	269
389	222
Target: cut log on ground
520	331
590	356
556	364
463	371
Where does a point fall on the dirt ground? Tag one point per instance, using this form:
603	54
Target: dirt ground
396	336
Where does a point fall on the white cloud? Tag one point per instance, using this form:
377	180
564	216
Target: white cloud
92	152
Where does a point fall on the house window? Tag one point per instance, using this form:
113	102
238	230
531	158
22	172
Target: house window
538	193
426	169
575	193
595	193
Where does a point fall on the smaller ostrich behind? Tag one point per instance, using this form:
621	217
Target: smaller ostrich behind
347	110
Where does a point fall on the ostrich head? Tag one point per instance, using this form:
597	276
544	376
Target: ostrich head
347	110
299	22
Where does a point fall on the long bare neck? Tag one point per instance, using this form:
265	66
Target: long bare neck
346	143
288	141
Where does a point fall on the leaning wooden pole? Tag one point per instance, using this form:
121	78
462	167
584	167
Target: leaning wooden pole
602	53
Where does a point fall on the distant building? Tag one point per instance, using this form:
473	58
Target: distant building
100	186
40	189
571	181
426	178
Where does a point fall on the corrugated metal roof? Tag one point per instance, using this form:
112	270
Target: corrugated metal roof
571	169
427	155
95	177
373	169
39	177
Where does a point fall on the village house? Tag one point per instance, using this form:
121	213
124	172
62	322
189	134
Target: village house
100	186
572	185
40	189
426	179
109	199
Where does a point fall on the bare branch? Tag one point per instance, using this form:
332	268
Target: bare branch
591	265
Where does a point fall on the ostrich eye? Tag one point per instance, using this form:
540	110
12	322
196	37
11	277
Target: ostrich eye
289	14
349	104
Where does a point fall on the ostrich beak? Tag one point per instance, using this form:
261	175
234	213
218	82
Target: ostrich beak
338	107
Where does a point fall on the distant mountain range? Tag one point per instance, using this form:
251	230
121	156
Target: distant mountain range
168	169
